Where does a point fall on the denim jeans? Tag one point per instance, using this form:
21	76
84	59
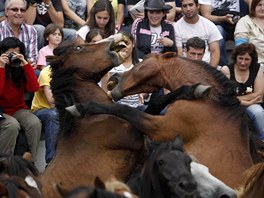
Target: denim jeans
50	126
256	114
223	54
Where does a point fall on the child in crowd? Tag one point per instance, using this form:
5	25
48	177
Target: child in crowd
43	102
94	35
102	17
131	59
53	36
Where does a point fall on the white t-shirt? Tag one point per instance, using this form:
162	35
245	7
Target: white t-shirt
83	31
204	29
132	100
156	34
232	5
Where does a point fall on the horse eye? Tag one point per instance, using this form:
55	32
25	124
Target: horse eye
160	162
78	48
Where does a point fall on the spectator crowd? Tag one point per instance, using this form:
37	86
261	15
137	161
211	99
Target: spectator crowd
195	29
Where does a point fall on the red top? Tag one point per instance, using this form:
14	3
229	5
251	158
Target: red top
11	98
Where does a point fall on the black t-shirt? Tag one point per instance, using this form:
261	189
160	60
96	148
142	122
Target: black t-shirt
243	87
42	16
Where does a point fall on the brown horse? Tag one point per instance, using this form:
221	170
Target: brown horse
253	186
213	127
97	146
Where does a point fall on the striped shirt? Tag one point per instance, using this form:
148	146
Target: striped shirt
27	35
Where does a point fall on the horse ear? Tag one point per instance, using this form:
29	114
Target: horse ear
178	142
99	183
2	166
61	190
150	145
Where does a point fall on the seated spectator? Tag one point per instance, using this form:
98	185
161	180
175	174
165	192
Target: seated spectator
53	36
192	24
2	10
195	48
170	14
250	29
129	54
245	72
225	15
153	34
40	13
94	35
102	17
16	76
119	11
43	107
14	26
75	13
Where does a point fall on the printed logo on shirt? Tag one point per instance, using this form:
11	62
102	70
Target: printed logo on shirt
41	9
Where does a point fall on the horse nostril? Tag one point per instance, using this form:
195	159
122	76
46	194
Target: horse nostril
187	186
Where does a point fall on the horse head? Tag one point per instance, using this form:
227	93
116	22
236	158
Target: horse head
106	54
167	172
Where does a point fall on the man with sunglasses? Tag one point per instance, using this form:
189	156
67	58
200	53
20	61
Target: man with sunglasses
14	26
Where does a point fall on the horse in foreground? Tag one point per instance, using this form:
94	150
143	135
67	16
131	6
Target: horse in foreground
213	127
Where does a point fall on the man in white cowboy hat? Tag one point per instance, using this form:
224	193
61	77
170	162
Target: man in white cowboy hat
154	34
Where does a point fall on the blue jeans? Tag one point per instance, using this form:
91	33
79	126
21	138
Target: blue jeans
256	114
50	126
223	54
69	35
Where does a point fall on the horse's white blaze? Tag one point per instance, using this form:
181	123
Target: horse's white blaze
207	184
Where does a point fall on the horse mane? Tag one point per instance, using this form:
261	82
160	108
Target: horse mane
253	175
63	93
17	166
9	186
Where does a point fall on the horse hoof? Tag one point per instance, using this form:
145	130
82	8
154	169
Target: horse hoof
73	110
201	90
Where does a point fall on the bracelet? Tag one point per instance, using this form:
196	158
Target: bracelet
48	5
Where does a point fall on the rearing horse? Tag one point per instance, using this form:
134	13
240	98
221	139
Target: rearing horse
97	146
213	127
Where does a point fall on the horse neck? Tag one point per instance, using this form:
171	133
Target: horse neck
92	92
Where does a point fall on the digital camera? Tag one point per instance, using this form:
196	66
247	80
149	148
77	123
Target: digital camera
14	62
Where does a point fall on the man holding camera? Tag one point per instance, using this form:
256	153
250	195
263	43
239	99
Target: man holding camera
16	77
14	26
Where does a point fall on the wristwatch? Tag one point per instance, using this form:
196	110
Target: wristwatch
48	5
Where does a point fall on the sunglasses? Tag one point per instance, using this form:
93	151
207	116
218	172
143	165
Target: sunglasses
17	9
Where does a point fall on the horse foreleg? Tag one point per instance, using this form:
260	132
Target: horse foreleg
184	92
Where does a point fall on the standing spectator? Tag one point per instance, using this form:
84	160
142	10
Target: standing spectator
75	13
43	107
192	24
225	15
195	48
245	72
2	10
16	76
119	11
102	17
250	28
153	33
40	13
53	36
14	26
